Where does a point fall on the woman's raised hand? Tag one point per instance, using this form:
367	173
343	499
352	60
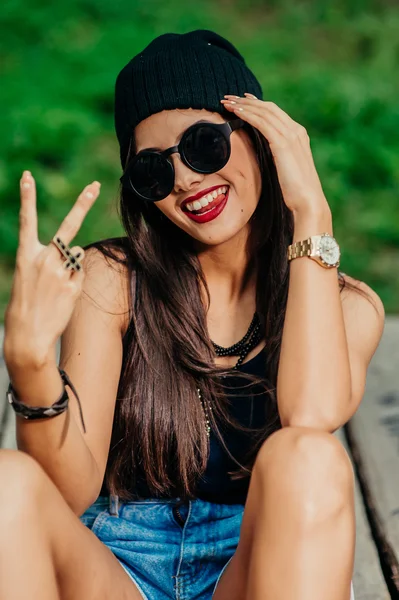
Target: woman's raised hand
43	293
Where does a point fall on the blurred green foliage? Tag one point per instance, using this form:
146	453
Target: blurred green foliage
331	65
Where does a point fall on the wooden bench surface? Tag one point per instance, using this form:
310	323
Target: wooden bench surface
373	434
368	581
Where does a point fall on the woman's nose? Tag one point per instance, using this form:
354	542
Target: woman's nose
185	178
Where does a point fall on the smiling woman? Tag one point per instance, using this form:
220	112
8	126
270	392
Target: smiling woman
207	468
220	271
230	162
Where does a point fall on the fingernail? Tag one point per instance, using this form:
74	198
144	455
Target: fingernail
28	173
97	183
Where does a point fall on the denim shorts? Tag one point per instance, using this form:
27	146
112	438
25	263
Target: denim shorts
168	548
167	553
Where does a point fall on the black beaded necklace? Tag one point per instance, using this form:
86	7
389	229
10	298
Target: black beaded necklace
245	345
241	349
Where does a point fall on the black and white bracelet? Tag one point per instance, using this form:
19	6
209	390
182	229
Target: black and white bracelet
45	412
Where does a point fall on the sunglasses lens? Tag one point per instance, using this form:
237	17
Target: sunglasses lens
206	149
152	176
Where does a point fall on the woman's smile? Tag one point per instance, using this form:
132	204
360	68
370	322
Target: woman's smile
210	211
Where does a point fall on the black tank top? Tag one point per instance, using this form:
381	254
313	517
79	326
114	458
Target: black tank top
215	484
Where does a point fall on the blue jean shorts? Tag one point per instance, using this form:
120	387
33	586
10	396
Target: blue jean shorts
167	553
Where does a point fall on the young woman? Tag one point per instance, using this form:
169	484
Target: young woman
214	350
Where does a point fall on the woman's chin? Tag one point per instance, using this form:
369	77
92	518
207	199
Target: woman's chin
220	235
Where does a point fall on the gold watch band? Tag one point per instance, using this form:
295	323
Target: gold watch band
302	248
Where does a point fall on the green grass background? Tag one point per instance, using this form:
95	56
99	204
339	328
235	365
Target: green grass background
331	65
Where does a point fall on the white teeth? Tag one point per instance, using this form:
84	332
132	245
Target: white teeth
205	200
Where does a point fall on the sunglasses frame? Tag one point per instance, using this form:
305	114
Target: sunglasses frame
226	129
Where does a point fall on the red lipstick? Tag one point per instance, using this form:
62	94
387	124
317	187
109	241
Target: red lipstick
211	214
200	194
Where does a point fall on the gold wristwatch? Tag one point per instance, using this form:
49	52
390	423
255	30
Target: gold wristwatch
323	248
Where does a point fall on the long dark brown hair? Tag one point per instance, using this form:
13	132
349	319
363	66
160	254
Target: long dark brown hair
159	430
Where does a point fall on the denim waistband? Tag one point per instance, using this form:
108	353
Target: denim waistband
114	502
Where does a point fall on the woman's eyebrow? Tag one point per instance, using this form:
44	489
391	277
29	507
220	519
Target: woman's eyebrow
155	149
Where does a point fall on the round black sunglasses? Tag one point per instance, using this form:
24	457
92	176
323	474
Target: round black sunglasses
204	147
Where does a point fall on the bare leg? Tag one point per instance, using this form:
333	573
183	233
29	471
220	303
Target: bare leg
26	564
46	552
300	518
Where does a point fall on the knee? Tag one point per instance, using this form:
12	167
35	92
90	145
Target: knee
22	481
308	465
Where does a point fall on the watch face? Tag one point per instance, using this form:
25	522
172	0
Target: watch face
329	250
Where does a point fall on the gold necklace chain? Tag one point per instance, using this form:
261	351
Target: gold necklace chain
205	409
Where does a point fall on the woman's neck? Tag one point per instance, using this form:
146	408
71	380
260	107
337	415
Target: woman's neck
225	267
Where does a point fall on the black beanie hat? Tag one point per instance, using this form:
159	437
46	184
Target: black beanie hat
190	70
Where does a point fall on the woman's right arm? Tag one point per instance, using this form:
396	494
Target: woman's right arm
88	313
91	354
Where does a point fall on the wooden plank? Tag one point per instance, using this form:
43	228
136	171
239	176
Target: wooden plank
7	416
3	388
374	440
368	581
8	439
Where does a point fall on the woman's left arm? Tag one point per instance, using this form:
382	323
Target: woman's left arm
329	337
328	340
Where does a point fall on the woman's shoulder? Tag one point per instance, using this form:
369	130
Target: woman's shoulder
107	267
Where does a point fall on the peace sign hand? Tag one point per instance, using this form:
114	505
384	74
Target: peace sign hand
44	292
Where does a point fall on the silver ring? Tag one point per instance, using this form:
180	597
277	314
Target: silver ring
72	261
